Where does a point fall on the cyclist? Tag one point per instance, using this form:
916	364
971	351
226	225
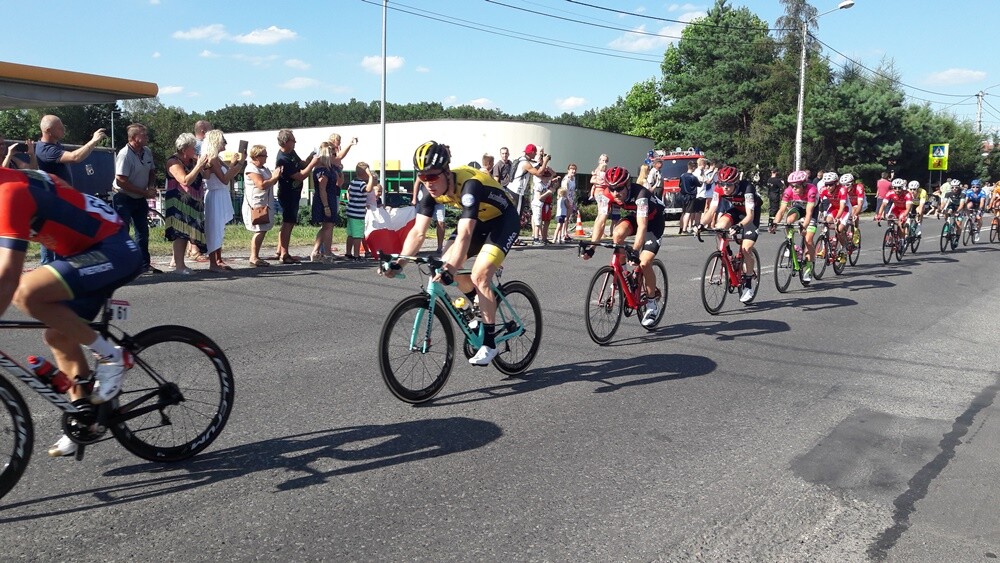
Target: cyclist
901	201
799	202
645	220
919	200
737	203
953	199
975	198
995	198
487	228
97	257
837	210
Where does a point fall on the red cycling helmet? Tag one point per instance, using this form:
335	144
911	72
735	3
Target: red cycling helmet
798	177
616	177
727	175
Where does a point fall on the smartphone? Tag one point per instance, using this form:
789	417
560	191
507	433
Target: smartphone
311	155
19	147
243	148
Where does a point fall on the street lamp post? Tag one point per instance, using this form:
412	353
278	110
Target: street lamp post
802	80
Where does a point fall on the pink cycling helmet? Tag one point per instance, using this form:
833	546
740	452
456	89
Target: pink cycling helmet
798	177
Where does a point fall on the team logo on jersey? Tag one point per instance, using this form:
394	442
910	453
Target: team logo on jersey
468	200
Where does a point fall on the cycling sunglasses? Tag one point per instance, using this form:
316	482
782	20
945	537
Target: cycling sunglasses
424	177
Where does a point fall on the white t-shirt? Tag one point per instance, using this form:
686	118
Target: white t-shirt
522	178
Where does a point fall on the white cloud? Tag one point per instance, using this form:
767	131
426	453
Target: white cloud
171	90
570	103
296	63
374	64
638	41
156	54
215	32
208	54
684	8
422	69
481	103
954	76
247	93
268	36
194	94
300	82
449	101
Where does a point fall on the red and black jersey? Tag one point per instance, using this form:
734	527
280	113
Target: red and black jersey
743	200
636	198
37	207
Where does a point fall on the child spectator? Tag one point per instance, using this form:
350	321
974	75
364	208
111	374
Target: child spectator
357	203
562	210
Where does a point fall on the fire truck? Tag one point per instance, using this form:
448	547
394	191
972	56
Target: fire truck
674	164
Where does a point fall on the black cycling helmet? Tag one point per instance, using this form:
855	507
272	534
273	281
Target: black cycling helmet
616	177
431	156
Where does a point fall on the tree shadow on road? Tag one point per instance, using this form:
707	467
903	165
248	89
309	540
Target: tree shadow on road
301	460
612	374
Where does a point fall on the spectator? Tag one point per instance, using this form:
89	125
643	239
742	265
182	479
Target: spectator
420	192
654	181
375	195
525	168
135	183
643	175
705	191
183	207
201	128
597	176
541	202
775	188
883	186
357	202
488	163
562	210
689	184
258	191
218	198
503	169
338	157
569	182
293	172
54	158
324	205
27	148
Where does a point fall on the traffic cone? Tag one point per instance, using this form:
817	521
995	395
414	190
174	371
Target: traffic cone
579	226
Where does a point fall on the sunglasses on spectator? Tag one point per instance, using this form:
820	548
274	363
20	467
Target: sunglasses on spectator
430	177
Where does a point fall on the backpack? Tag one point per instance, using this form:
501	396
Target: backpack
518	184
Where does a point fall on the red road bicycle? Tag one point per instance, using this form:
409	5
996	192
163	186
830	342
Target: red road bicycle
723	273
619	289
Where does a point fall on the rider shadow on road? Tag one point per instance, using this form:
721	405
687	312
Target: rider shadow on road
722	330
810	303
612	374
857	283
298	461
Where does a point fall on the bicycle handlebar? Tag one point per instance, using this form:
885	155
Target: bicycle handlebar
630	252
735	229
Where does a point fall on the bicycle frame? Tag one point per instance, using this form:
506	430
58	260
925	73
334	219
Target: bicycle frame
723	240
790	236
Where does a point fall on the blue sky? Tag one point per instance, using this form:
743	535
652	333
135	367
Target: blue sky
205	55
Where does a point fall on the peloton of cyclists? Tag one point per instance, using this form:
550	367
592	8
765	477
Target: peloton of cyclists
899	202
799	202
837	211
645	219
737	204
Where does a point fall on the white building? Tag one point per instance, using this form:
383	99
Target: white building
468	140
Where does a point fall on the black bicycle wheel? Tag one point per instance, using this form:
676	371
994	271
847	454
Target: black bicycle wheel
187	378
663	287
17	437
413	372
888	245
839	259
602	311
945	235
995	230
714	283
967	231
973	232
822	257
855	247
755	282
515	355
914	239
784	267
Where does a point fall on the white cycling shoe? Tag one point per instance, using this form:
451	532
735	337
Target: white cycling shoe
63	447
649	319
108	377
484	356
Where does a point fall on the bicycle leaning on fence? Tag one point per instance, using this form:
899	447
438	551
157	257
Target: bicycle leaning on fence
416	353
619	288
174	401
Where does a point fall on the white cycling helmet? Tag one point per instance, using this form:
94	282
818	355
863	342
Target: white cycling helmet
847	179
955	183
913	185
898	184
829	178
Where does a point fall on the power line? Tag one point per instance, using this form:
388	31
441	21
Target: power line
649	17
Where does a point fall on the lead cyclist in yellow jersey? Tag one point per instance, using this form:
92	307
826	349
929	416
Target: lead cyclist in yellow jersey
487	228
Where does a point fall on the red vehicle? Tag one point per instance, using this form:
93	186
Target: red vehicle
674	164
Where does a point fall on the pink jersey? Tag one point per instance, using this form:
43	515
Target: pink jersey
800	197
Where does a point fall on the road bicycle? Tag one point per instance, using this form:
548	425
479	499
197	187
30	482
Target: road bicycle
723	273
791	258
619	289
174	402
892	241
416	354
995	229
853	233
951	230
913	234
832	253
971	234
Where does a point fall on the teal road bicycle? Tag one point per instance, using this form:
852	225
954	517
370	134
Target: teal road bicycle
416	347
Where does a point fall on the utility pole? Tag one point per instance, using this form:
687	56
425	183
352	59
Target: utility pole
979	112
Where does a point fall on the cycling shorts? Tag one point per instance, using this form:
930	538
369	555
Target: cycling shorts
494	237
93	275
654	231
751	230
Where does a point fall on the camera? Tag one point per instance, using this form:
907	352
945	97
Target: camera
19	147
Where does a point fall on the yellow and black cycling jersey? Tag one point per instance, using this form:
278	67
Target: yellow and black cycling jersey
477	194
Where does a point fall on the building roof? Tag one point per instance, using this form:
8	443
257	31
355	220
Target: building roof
23	86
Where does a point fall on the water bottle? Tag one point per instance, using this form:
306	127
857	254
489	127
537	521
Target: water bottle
49	373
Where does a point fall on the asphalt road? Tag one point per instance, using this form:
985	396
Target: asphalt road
848	421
